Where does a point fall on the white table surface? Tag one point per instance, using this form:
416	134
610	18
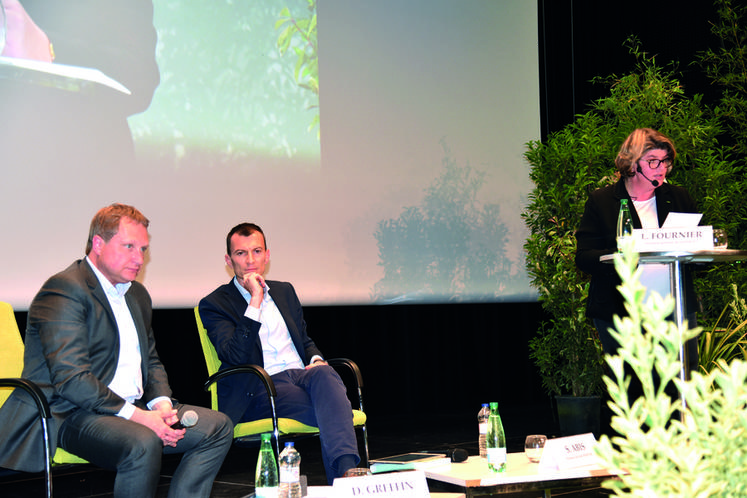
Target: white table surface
475	472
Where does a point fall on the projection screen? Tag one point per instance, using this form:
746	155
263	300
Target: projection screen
378	144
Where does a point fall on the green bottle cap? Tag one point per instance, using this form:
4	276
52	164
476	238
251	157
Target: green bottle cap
494	405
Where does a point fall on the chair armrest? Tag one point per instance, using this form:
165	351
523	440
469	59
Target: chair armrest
353	367
243	369
269	387
33	390
44	415
350	364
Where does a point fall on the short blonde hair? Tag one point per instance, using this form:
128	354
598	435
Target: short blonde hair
637	144
105	223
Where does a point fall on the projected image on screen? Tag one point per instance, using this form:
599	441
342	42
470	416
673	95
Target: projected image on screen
231	93
379	145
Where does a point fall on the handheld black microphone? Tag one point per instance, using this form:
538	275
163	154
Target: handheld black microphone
655	183
454	454
457	454
189	419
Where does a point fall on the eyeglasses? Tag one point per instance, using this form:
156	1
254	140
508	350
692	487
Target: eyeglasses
655	163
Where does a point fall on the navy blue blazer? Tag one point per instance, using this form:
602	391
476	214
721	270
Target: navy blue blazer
236	339
596	236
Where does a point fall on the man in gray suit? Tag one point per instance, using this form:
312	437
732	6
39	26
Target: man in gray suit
91	349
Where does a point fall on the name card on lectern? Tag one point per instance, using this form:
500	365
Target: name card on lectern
571	452
698	238
410	484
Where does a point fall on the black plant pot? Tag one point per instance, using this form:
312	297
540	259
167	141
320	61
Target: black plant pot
579	414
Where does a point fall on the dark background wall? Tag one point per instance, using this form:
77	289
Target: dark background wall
444	358
582	39
447	359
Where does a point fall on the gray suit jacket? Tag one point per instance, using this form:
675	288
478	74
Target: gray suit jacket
72	348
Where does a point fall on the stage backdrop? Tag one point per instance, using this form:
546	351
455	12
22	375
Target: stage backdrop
381	150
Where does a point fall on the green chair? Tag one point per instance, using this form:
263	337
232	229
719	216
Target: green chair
249	433
11	368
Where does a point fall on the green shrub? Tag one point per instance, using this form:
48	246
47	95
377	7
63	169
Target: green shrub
655	453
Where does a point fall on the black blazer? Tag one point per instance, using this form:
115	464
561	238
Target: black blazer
596	236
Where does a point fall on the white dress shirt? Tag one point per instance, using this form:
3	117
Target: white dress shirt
654	276
128	378
278	351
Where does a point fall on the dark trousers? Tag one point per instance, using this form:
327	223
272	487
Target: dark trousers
315	396
134	451
635	390
610	345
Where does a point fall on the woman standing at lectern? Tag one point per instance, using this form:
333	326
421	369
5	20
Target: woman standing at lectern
643	162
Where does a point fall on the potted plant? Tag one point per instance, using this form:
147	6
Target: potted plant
566	349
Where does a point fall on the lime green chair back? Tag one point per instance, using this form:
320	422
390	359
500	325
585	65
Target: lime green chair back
211	358
11	352
11	366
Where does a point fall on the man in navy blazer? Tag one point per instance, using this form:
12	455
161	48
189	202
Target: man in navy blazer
257	321
91	349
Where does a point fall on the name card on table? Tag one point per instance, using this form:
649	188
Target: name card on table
697	238
571	452
410	484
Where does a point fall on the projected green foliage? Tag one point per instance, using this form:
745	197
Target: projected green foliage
225	85
450	245
303	31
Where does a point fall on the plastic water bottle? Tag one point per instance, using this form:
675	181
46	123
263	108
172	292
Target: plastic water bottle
266	477
290	472
482	424
496	441
624	220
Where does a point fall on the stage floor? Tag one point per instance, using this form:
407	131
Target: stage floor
387	436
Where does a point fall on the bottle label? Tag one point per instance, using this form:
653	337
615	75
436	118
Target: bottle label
270	492
497	459
483	427
290	474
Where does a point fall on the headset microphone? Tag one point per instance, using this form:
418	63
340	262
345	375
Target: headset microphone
655	183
